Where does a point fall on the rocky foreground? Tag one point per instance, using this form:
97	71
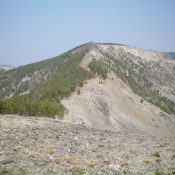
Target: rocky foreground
48	146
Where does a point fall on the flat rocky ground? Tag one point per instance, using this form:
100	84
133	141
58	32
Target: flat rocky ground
48	146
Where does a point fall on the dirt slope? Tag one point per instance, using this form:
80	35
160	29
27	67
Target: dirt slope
112	105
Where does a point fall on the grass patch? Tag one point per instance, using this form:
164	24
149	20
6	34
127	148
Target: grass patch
156	154
78	170
4	171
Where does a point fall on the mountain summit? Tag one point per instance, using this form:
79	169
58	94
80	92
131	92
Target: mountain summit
106	86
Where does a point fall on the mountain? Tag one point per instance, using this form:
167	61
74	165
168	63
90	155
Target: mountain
4	68
106	86
172	54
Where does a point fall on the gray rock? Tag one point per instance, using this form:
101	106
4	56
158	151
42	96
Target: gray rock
79	149
6	161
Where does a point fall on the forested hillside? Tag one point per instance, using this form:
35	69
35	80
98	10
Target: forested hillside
56	78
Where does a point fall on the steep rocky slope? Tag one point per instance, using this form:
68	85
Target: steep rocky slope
112	105
121	102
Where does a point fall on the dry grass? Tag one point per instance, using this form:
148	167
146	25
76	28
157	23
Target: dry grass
91	163
79	170
50	150
101	146
99	156
71	159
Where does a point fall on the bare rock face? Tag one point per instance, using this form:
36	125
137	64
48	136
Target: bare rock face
48	146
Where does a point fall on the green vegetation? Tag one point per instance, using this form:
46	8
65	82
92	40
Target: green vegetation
23	106
156	154
44	99
98	67
158	173
4	171
78	170
134	76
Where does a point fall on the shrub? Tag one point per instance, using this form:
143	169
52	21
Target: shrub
98	67
158	173
156	154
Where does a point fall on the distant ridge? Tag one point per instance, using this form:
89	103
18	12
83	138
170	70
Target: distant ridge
172	54
4	68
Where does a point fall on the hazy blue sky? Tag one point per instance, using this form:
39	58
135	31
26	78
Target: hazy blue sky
32	30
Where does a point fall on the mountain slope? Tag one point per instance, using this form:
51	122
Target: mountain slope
113	104
44	84
30	77
5	68
107	86
149	74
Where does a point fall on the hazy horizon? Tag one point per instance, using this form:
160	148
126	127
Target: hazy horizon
36	30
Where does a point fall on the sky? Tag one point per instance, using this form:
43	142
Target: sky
33	30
